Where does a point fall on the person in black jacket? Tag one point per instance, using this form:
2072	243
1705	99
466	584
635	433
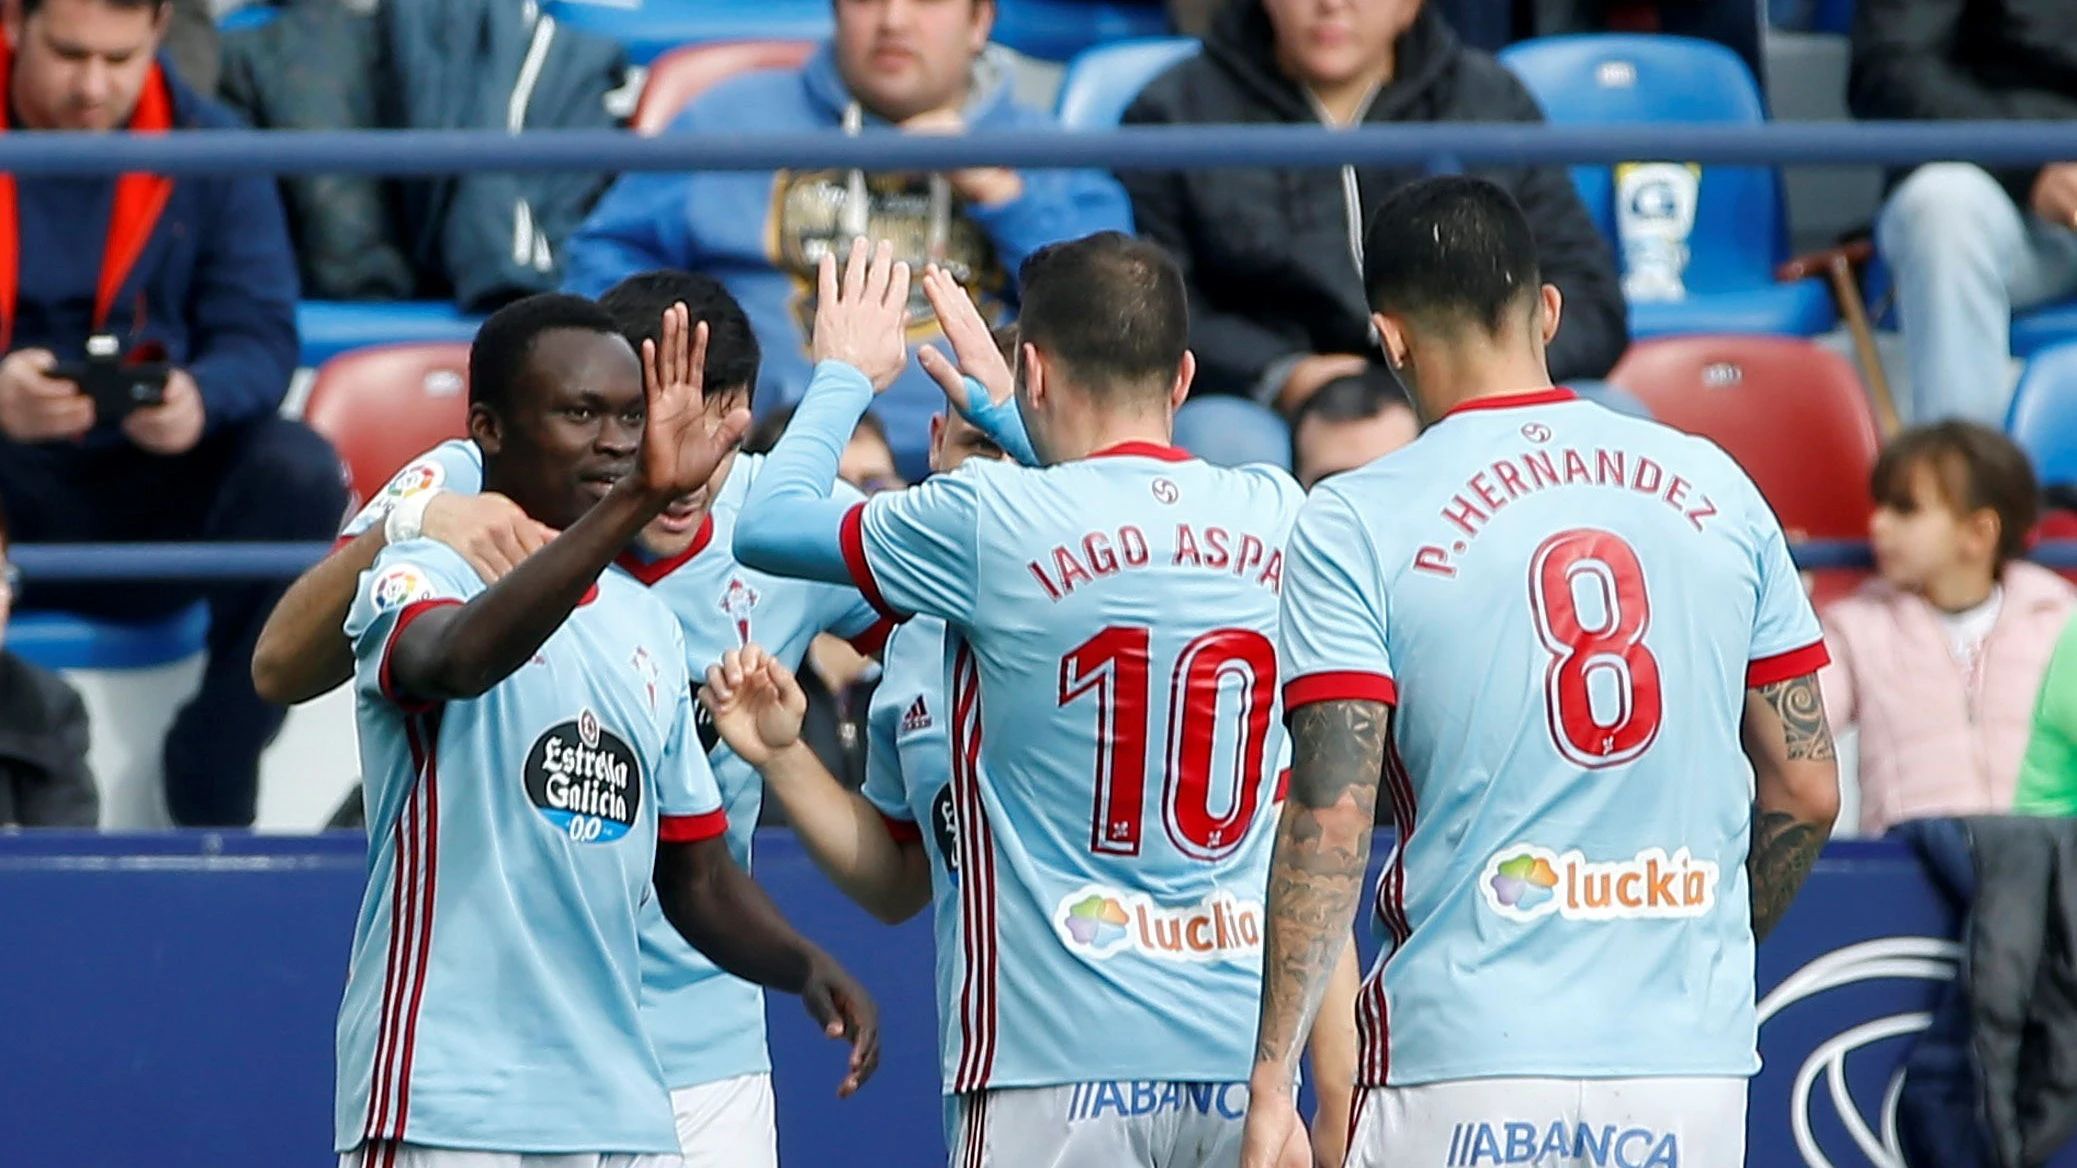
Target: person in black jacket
44	780
1967	246
1272	256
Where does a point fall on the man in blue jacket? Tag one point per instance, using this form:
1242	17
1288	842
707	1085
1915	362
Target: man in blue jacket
911	66
195	273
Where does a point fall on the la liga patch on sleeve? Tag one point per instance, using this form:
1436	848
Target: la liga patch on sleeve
398	585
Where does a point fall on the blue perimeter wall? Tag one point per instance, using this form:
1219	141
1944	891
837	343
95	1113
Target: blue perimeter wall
169	999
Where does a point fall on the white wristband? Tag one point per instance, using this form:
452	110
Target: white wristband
407	518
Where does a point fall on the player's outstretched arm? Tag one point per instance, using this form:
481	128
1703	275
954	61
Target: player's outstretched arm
460	651
977	379
722	912
1315	882
1332	1052
302	654
1795	792
789	525
758	707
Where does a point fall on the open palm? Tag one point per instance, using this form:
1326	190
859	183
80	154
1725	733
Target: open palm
975	355
681	444
757	704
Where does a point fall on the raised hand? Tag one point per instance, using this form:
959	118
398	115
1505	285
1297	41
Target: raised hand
681	446
862	319
974	352
757	704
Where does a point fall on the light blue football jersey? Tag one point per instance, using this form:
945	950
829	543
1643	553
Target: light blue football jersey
1114	737
454	465
493	999
1566	605
706	1024
908	778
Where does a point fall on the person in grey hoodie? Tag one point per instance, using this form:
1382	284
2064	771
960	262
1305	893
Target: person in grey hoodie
1273	257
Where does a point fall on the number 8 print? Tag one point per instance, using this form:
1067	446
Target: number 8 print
1614	647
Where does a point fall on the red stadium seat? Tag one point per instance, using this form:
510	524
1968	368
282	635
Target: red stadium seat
690	70
1793	414
383	406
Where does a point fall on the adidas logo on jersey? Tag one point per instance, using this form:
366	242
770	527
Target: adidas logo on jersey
917	718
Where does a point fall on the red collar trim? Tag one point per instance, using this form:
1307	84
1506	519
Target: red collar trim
650	572
1139	449
1508	401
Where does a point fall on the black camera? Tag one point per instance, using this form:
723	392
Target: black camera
117	386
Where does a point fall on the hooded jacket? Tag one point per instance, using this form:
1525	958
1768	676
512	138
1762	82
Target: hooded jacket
762	234
1273	256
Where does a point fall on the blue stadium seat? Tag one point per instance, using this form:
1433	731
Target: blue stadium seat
2039	328
1740	231
1053	30
331	327
1102	81
2044	412
249	15
57	640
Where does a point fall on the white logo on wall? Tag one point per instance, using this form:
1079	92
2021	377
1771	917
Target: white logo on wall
1926	958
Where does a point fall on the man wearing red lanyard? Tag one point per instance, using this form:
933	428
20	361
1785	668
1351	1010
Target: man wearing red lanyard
148	326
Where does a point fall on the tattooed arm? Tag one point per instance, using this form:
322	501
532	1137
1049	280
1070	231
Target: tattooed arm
1796	792
1316	873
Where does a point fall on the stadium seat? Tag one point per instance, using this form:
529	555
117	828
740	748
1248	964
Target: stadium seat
58	640
686	72
1102	81
1793	414
1052	30
331	327
1740	230
383	406
2038	328
2044	413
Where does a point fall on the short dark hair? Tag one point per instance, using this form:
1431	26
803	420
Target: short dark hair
1450	251
638	304
1353	397
1974	467
498	356
1008	339
765	434
1109	308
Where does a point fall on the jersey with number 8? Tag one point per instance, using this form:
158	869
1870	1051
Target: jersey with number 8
1115	741
1566	607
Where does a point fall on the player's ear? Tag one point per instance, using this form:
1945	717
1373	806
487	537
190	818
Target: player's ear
1031	373
485	429
1390	338
1553	307
937	442
1186	372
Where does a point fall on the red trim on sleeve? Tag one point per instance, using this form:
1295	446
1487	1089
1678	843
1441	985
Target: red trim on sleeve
1283	784
691	829
343	540
1783	666
411	612
852	536
870	642
1347	685
902	831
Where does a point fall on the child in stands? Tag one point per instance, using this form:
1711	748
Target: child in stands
1938	658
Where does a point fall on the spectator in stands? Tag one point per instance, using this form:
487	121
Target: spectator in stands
193	272
2048	773
1938	658
44	779
838	680
1272	255
1967	246
910	66
1350	422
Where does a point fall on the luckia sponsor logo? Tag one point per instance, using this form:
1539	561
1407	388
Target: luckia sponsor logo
1526	882
1103	922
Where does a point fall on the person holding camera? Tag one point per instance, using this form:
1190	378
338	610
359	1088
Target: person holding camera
148	326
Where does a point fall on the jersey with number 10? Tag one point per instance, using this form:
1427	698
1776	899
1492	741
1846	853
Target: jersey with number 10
1566	607
1114	736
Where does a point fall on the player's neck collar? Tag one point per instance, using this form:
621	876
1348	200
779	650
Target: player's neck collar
1137	448
1508	401
651	571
